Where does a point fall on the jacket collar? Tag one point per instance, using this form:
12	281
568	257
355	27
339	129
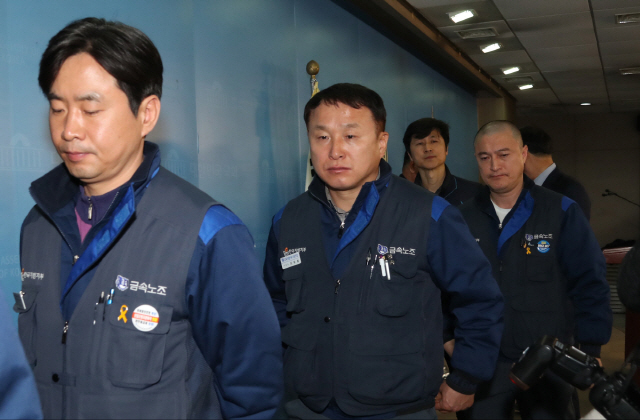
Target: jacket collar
57	188
448	183
317	191
484	199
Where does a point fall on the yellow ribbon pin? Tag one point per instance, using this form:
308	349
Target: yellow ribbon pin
528	253
123	313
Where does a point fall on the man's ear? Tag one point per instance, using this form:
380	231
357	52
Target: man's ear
383	138
148	113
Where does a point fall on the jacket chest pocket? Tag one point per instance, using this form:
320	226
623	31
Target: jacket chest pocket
25	306
137	340
294	287
395	292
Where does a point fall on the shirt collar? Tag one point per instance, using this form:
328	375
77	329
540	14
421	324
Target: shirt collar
543	176
485	202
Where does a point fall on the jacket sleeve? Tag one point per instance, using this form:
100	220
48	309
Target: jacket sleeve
584	266
576	192
17	386
233	321
462	271
273	272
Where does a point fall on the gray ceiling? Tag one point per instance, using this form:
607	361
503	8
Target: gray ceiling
571	49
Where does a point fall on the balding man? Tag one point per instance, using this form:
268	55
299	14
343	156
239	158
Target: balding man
549	267
541	168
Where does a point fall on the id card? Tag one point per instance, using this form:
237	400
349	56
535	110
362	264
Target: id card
290	260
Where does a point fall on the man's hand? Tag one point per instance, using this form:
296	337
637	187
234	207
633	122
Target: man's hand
449	401
600	363
448	347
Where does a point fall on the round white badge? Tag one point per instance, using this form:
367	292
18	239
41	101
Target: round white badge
145	318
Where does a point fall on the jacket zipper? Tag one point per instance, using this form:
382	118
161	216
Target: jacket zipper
500	229
65	330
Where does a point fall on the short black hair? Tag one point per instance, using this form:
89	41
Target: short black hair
123	51
421	128
537	140
350	94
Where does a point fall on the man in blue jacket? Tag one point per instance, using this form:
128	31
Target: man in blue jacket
356	266
18	393
426	141
550	269
141	295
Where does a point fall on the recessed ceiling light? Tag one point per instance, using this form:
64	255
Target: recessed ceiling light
462	15
630	70
524	87
509	70
477	33
523	80
585	103
628	18
491	47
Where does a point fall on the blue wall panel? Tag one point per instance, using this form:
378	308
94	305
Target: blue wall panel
247	109
451	105
235	87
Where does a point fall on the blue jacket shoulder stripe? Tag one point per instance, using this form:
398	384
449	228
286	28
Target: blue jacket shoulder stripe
278	215
566	202
217	217
276	222
438	206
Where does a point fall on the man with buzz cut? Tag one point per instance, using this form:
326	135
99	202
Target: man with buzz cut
141	295
426	141
550	269
356	266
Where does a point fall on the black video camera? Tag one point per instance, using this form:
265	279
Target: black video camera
614	396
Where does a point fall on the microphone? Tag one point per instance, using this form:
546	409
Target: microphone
608	192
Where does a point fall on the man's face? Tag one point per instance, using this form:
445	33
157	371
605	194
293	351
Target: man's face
346	146
429	152
501	161
92	126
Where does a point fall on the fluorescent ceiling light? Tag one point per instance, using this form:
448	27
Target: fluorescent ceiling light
524	87
491	47
463	15
585	103
509	70
630	70
628	18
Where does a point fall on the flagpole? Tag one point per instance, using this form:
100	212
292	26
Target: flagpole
312	70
